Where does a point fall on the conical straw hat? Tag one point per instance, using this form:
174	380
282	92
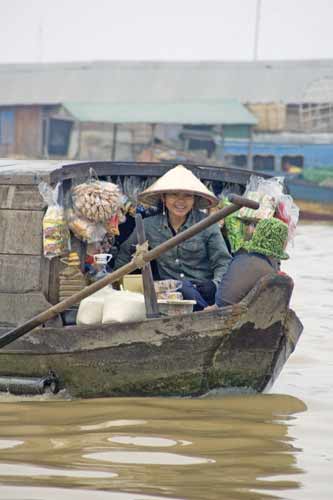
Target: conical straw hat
179	179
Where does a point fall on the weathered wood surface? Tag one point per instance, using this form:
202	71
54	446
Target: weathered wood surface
146	358
267	310
150	169
151	304
234	347
20	172
31	172
20	273
21	232
18	307
28	117
292	331
34	322
24	197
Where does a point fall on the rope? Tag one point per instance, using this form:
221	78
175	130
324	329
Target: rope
141	251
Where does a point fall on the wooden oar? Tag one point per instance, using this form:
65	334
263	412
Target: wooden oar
147	275
237	202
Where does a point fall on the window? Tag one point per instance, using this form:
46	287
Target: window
58	136
238	160
263	162
290	162
198	138
6	127
201	145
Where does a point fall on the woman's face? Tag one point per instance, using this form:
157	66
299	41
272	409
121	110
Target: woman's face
179	203
249	228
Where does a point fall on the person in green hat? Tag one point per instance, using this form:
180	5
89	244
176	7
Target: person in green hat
263	254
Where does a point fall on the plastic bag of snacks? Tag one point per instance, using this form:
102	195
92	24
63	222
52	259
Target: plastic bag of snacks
169	296
265	211
233	225
167	285
83	228
96	200
112	225
56	238
288	212
266	192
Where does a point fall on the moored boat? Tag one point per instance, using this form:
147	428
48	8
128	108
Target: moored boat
314	201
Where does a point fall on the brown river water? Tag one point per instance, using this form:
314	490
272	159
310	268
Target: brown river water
276	445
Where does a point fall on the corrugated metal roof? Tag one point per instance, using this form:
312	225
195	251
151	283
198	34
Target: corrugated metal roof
262	81
195	112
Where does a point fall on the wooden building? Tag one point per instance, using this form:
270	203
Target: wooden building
103	131
81	110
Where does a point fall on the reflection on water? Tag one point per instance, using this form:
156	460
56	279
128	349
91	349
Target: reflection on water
309	373
145	441
144	457
250	447
33	471
31	493
233	446
112	423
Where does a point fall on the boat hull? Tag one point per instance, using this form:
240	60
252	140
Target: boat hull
315	202
239	347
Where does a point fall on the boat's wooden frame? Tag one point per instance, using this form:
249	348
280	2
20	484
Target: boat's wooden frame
29	282
241	347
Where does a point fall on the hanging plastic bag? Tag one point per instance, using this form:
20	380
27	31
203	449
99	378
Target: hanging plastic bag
96	200
132	186
168	285
84	229
288	212
266	192
112	225
233	224
56	237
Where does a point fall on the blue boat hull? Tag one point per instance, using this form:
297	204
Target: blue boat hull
315	202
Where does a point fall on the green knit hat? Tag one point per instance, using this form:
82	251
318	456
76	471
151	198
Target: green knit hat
269	238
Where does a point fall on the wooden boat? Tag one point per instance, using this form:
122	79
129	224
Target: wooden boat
315	201
242	347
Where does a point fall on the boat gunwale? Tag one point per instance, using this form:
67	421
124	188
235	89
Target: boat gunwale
62	171
236	311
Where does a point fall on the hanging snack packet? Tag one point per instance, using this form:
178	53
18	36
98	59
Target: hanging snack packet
266	192
112	225
288	212
96	200
233	226
56	238
84	229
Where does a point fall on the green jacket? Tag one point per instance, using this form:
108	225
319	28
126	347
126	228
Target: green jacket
203	257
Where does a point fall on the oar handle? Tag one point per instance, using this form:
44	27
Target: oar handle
243	202
41	318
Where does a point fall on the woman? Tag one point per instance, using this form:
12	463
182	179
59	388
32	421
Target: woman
200	262
260	256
